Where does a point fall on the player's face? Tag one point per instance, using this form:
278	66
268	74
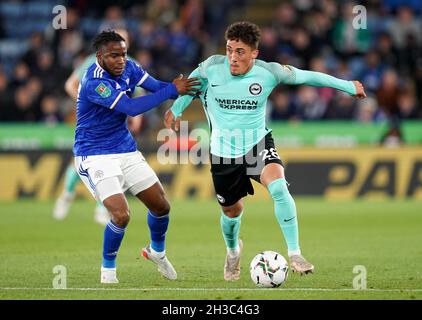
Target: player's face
240	56
113	57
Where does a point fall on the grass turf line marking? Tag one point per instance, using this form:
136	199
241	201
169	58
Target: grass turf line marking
215	289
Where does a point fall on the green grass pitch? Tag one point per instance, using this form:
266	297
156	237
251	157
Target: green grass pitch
383	236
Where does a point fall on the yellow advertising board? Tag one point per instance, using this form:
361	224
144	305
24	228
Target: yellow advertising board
329	173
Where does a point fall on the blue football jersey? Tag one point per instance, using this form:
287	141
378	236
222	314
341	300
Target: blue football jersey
99	128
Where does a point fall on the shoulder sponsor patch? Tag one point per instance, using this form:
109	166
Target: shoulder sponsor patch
287	68
103	90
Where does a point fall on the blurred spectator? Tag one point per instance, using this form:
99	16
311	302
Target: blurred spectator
171	37
403	25
386	49
388	92
392	5
5	96
113	19
341	107
70	44
146	36
319	25
34	89
45	70
20	75
145	60
284	21
268	47
65	43
163	12
303	48
280	107
181	45
346	38
373	71
388	95
343	71
192	16
407	105
308	104
325	94
50	110
410	55
23	108
36	44
367	110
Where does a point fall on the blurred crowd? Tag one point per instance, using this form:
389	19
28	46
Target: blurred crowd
171	37
386	57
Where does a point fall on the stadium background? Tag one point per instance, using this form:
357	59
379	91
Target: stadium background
335	147
172	37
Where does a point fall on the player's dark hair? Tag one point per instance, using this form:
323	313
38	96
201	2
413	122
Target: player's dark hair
247	32
105	37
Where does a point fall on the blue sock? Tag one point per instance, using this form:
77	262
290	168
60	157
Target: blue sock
113	236
285	211
158	229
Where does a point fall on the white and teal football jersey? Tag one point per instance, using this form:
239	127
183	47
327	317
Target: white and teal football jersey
235	105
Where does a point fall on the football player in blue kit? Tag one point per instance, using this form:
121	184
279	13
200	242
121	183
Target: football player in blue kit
106	154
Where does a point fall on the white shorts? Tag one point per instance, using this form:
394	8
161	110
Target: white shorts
130	169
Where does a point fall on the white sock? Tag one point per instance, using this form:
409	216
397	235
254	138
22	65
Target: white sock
294	253
68	195
157	254
233	252
106	269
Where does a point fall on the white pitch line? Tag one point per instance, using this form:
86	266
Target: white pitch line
215	289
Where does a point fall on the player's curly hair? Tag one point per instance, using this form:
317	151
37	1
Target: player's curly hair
245	31
105	37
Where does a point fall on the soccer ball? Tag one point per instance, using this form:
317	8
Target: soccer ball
269	269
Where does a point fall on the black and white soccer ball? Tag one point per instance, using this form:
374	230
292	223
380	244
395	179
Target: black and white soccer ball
269	269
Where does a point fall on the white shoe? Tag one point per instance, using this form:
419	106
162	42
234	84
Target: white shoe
101	216
232	265
108	275
62	206
164	265
299	264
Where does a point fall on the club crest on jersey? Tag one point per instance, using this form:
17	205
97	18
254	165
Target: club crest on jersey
255	89
103	90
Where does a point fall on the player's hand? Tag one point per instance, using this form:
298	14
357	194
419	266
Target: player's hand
360	92
187	86
169	120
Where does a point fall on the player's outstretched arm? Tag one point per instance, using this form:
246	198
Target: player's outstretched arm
135	106
172	116
170	119
72	83
183	85
138	105
71	86
292	75
360	91
151	84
